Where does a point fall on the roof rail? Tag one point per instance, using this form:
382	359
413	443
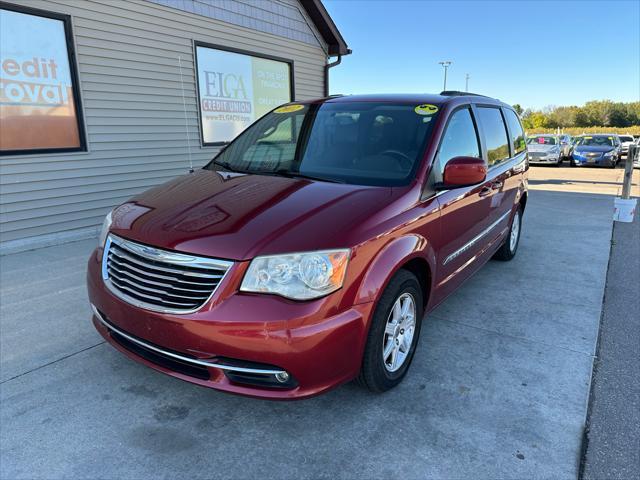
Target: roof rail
456	93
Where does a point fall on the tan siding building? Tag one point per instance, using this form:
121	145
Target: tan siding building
136	77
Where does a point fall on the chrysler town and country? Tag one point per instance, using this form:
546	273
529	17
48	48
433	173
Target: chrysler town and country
308	251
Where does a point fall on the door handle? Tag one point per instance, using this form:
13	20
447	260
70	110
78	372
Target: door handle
496	185
485	191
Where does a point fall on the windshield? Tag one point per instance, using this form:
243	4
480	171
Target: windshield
540	140
366	143
626	138
595	141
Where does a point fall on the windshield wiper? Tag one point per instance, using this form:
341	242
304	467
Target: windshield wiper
227	166
281	172
291	174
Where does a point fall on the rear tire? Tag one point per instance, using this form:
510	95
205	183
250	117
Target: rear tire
509	248
379	372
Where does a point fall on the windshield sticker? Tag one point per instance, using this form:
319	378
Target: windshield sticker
288	109
426	109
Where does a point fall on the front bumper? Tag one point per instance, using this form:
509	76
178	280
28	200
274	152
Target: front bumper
317	345
601	161
548	160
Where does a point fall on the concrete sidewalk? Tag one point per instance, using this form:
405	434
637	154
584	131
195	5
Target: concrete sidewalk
612	441
498	387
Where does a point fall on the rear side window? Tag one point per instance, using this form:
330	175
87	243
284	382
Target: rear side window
517	134
495	134
459	140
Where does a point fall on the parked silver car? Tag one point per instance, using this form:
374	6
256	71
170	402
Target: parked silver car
566	146
544	149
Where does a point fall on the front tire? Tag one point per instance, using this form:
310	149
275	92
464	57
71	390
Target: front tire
510	246
393	334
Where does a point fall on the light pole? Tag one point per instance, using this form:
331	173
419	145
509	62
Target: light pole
466	88
445	64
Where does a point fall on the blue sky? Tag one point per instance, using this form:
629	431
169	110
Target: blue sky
535	53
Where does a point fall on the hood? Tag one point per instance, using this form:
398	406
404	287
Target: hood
237	216
593	148
537	147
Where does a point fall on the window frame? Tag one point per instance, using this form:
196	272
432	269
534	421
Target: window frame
506	130
430	186
213	46
475	122
73	72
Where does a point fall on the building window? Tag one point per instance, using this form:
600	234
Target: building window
235	88
39	101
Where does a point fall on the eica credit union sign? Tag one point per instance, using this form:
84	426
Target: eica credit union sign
235	89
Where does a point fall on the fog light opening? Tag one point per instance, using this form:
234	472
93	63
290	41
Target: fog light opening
282	377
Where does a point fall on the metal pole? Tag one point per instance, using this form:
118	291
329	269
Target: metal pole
445	65
466	85
445	78
628	171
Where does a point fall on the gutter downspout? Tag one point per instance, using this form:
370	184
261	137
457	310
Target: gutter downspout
326	73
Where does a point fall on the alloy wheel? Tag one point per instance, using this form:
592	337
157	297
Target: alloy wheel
515	231
399	332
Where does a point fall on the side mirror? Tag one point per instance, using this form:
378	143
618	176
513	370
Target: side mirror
464	171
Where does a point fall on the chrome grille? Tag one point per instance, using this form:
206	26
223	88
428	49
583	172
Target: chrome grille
159	280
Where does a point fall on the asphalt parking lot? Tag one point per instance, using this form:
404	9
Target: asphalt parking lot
498	389
604	181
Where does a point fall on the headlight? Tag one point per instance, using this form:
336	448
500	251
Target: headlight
300	276
610	154
106	225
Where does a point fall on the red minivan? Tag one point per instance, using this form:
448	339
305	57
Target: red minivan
307	252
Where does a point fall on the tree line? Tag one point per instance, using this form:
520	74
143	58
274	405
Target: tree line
597	113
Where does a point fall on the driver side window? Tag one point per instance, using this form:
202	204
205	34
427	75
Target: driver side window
460	139
275	147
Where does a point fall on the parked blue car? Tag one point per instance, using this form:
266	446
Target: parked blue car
597	150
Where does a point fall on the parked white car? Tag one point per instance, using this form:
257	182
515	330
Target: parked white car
625	141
